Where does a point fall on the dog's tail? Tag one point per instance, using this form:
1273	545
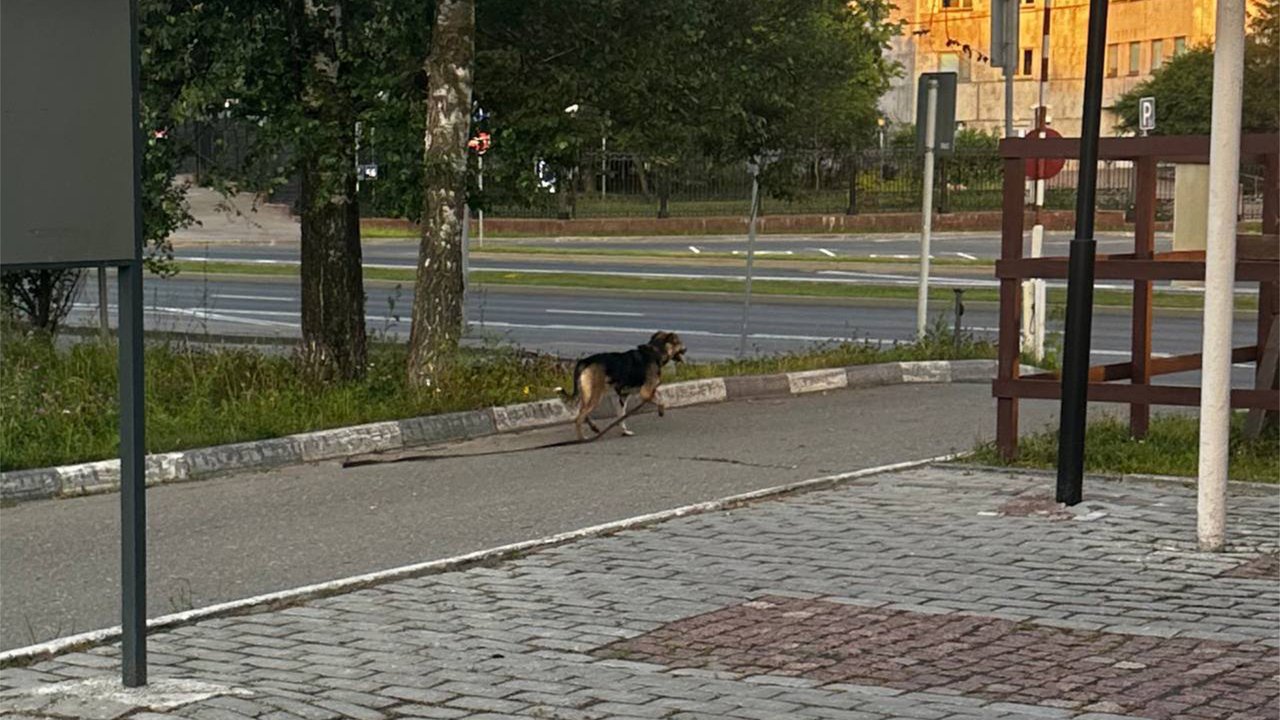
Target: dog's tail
577	384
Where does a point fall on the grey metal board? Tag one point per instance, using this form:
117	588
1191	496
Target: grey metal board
944	137
66	133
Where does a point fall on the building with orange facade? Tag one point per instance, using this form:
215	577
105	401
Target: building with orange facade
956	35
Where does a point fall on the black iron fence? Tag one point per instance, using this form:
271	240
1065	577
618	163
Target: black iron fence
604	185
623	185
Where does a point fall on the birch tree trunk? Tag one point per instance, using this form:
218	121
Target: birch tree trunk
333	322
438	292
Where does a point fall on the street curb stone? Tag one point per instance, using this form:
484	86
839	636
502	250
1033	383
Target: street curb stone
818	380
337	443
743	387
527	416
693	392
430	429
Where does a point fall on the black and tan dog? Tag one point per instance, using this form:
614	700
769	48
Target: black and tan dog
637	371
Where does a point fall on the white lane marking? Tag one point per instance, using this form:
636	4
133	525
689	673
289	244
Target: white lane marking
695	250
895	279
966	256
260	603
762	252
880	278
554	311
203	314
268	298
826	252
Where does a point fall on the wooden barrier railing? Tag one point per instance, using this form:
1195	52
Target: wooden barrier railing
1258	261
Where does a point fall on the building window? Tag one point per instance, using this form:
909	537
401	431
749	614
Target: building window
1157	54
957	4
1027	57
1113	60
1135	57
1179	45
951	62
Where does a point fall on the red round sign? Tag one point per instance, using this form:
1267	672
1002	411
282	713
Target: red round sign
1044	168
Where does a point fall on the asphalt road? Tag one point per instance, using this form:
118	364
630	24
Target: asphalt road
967	246
961	245
234	537
572	323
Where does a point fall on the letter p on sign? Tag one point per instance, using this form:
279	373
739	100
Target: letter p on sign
1146	114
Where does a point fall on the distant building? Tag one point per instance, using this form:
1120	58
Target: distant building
956	35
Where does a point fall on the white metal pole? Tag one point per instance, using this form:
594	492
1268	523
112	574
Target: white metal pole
1219	279
604	168
480	183
926	208
751	251
1037	232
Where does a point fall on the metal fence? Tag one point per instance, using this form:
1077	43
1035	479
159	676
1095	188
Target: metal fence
604	185
623	185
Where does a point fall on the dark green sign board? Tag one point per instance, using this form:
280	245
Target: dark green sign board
944	135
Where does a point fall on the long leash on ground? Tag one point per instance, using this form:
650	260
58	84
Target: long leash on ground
357	461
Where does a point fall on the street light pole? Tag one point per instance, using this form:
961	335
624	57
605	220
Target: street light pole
1080	266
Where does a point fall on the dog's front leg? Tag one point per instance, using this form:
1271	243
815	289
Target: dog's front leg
622	400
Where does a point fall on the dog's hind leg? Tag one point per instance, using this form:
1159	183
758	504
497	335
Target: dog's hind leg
591	383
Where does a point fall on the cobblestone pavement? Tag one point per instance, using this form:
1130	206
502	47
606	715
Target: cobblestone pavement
939	594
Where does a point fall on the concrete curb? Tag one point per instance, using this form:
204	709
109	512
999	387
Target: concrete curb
270	601
199	463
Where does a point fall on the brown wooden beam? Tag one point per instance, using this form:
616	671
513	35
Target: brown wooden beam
1177	395
1134	269
1144	247
1008	354
1157	366
1183	148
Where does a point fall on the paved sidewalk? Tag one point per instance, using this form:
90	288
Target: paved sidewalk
938	593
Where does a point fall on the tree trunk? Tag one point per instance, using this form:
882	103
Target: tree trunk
438	292
333	323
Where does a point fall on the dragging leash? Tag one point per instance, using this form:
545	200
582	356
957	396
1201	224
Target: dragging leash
357	461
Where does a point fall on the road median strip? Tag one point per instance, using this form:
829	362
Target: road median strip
103	476
814	288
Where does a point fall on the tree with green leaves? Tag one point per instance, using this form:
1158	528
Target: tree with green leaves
292	79
670	80
438	292
1183	86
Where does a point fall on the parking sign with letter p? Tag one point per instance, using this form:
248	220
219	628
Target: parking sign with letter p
1146	114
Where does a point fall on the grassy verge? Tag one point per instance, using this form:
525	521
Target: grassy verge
1171	448
793	288
59	404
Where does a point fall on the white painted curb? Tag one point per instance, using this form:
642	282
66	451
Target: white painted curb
336	587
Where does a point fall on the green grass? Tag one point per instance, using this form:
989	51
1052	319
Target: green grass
791	288
59	404
387	232
686	255
1171	448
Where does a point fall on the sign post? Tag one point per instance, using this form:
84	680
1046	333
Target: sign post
753	168
70	197
1005	17
1146	115
935	135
